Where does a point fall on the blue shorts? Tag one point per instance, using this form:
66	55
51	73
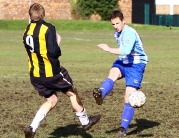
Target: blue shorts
133	73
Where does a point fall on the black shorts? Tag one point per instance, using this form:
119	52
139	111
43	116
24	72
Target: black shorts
48	86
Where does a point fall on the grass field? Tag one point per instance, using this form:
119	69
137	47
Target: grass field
88	66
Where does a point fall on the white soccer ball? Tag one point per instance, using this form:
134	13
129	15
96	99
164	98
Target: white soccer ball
137	99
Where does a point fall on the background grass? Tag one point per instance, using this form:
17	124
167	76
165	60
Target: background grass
68	25
88	66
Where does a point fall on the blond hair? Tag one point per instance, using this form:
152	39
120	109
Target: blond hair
36	12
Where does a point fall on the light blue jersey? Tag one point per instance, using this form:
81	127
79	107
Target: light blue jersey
131	46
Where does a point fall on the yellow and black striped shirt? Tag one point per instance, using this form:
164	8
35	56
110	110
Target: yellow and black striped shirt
43	51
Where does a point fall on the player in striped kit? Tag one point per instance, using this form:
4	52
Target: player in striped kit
130	64
46	74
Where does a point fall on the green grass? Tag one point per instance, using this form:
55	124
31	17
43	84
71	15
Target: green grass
85	25
88	66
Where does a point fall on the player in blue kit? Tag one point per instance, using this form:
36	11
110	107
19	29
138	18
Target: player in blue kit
130	64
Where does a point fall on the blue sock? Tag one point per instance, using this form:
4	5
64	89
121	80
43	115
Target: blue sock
106	87
128	113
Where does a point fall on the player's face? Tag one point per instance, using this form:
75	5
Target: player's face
117	24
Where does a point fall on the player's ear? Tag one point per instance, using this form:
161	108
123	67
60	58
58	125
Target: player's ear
123	21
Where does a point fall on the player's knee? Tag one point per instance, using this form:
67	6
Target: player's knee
128	92
114	74
53	100
73	94
126	99
70	94
75	98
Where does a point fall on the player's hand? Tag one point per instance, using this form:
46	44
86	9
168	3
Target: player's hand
105	47
58	38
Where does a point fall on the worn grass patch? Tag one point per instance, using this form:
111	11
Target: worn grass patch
88	66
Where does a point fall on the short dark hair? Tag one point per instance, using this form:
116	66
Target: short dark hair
117	14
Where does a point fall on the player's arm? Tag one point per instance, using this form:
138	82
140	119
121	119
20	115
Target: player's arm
126	46
58	39
128	40
52	45
106	48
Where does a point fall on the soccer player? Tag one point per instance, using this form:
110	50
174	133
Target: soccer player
130	64
46	74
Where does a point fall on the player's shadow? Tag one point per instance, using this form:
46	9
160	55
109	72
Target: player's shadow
69	130
141	124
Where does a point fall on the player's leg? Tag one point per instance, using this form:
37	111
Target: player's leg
75	99
51	101
134	76
107	85
41	114
43	110
80	111
127	114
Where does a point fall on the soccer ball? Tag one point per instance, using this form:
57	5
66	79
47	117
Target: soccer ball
137	99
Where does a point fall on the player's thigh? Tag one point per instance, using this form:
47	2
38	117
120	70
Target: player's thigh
40	87
128	91
60	82
53	99
114	73
134	75
117	71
